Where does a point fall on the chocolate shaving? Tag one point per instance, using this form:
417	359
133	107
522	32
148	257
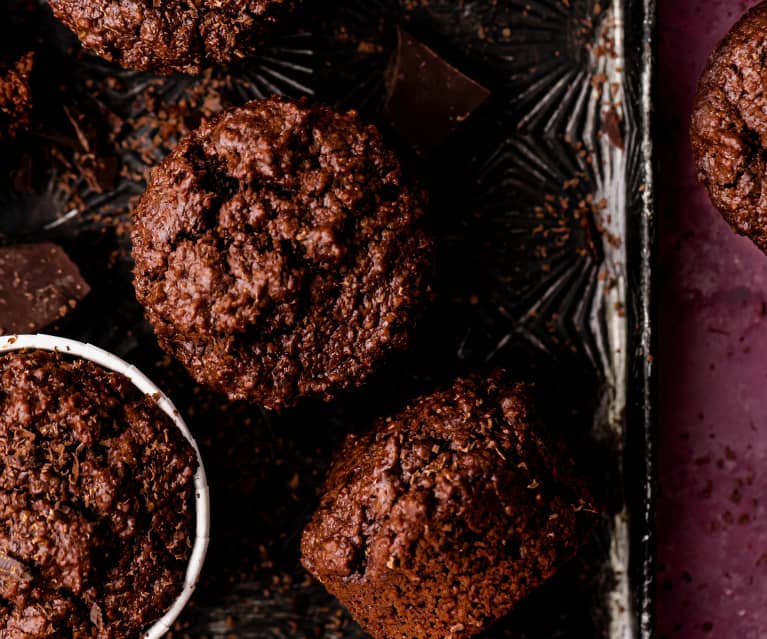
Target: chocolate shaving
614	129
12	569
96	616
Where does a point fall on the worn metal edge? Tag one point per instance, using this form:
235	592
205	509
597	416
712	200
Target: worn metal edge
643	555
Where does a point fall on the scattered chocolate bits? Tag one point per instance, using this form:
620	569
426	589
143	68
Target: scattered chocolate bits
15	96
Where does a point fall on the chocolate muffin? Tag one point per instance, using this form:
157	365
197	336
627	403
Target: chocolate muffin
279	253
96	502
729	127
173	35
440	519
15	95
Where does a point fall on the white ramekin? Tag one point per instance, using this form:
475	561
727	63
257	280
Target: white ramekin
143	383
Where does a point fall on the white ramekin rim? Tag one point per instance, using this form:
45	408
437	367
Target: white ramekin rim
145	385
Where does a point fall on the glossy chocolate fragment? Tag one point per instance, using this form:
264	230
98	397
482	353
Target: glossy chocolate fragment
39	284
427	99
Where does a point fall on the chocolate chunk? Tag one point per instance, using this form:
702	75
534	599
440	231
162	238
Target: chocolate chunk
426	98
14	576
39	284
12	569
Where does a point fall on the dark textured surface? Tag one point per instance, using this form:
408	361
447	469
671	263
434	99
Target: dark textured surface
440	519
175	35
729	127
96	505
279	253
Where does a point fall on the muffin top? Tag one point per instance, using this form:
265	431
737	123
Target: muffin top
438	520
96	501
279	253
729	127
172	35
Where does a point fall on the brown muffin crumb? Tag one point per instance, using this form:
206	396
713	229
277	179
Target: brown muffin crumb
279	253
96	502
729	127
440	519
173	35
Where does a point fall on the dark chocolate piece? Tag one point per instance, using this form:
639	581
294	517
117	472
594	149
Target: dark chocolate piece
11	568
613	127
14	576
427	99
39	284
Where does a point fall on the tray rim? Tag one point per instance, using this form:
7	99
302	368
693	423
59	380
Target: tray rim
642	389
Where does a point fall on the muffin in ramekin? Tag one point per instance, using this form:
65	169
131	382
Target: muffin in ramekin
103	499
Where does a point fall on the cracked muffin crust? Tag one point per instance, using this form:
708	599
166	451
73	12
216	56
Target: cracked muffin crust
279	253
436	522
729	127
96	502
15	95
172	35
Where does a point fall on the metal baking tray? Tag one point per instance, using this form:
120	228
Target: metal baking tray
542	204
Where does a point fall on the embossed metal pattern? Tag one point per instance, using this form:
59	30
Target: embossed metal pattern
542	206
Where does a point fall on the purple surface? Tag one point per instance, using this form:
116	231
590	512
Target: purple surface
712	318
